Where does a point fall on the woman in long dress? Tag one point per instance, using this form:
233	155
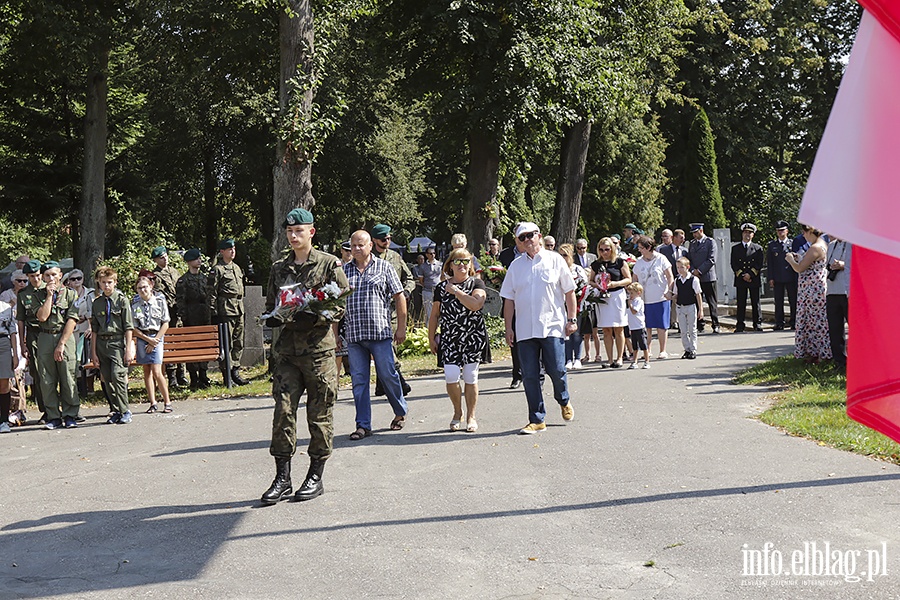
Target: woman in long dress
811	341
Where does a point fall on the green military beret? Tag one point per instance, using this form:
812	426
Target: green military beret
192	254
226	244
616	236
50	264
631	226
158	251
298	216
32	266
381	231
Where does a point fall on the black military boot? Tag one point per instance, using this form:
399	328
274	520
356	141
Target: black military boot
180	376
236	377
281	487
204	379
312	486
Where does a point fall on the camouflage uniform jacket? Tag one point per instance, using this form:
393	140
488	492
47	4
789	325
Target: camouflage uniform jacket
225	287
165	283
406	277
190	293
307	334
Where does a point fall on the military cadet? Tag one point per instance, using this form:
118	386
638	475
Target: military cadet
58	316
225	286
747	263
166	278
111	346
381	248
190	292
27	303
304	361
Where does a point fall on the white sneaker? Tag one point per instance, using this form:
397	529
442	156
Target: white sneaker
577	364
662	356
4	427
632	366
646	364
569	366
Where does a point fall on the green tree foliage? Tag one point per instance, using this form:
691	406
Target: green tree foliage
703	200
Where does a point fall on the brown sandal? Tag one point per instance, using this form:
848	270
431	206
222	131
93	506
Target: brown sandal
360	433
397	423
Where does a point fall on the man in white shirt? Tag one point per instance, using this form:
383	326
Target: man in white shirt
540	291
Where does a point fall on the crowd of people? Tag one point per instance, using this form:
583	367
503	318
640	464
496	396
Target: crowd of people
54	329
557	300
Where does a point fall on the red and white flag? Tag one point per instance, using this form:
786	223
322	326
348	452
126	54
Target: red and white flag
854	193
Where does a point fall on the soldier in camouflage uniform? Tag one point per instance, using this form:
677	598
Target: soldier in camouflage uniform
191	295
57	315
381	248
225	286
166	277
29	327
304	361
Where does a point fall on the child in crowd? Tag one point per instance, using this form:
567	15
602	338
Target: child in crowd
637	324
111	348
688	306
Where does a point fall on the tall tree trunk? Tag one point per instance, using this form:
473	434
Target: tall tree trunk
481	214
92	214
573	158
210	222
292	173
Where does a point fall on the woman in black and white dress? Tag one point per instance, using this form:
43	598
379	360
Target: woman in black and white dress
458	301
610	273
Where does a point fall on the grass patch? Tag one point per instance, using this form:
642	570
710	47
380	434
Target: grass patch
811	402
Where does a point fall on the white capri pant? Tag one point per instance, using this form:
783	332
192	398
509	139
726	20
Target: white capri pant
469	373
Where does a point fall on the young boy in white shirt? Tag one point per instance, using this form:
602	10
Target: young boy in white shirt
637	324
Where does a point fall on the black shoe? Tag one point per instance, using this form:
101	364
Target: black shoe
379	390
173	383
692	355
312	486
182	382
406	389
80	419
757	328
514	385
739	328
686	354
715	329
281	487
778	328
236	377
204	382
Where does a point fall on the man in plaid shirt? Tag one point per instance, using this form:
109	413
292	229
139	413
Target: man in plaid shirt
368	331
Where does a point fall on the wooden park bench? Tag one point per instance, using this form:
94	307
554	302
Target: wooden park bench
201	343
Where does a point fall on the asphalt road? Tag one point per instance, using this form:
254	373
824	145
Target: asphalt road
664	486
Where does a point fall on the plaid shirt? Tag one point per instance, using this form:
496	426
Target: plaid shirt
368	314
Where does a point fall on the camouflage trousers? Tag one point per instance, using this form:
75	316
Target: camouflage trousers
316	374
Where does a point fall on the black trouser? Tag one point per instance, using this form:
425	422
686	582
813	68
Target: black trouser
837	308
780	288
742	290
709	293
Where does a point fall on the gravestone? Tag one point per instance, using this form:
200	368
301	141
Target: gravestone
254	306
493	303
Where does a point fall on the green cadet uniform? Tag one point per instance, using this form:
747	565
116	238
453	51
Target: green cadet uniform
58	378
304	359
27	304
226	301
191	293
110	319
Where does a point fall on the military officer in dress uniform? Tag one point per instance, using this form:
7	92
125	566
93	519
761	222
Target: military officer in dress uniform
191	295
747	263
381	248
225	285
27	303
57	316
304	361
166	278
782	277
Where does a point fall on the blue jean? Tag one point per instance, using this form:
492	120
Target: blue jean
530	353
382	353
573	346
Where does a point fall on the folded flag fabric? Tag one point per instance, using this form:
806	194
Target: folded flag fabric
854	193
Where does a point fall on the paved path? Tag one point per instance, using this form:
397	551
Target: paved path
653	491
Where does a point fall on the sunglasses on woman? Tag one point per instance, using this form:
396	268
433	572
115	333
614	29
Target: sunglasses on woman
461	261
527	236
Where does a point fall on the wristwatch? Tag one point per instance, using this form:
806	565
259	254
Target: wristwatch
572	320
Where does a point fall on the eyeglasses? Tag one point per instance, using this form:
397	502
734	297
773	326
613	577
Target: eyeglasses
387	237
603	249
21	281
461	261
493	244
581	247
527	236
75	278
550	245
429	254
